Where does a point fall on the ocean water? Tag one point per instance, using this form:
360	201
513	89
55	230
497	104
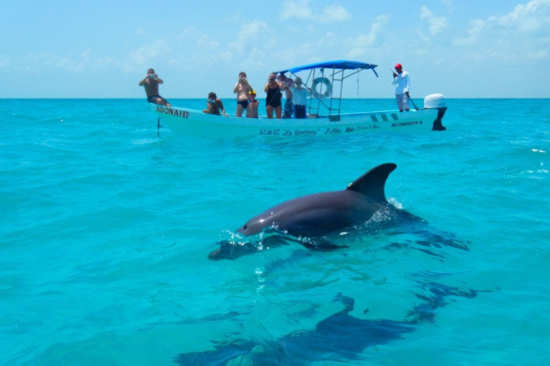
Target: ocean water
106	229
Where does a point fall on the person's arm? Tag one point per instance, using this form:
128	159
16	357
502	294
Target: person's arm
407	85
235	88
266	88
223	109
142	82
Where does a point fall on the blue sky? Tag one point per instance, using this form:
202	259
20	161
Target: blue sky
102	49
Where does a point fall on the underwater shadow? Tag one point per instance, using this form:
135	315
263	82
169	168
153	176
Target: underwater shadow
339	337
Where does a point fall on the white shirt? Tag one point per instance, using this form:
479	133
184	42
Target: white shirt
401	82
299	96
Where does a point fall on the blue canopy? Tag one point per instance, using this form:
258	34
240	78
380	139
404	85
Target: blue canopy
338	64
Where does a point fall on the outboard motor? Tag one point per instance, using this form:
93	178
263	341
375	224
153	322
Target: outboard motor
436	101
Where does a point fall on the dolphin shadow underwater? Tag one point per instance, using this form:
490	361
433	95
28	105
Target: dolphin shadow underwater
338	337
318	220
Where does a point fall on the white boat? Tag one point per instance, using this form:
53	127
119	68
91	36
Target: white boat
324	111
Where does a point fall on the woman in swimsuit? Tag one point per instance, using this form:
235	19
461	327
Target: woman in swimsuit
273	98
242	88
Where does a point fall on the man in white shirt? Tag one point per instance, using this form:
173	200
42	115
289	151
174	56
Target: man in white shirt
299	98
402	85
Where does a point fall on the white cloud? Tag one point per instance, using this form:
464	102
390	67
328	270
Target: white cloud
301	9
435	23
528	17
519	35
526	24
476	27
150	52
362	42
334	13
298	9
251	35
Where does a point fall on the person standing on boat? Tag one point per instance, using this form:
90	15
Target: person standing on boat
214	105
286	83
299	98
402	85
273	97
151	86
242	88
252	109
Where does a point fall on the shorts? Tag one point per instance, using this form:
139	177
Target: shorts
153	99
244	103
300	111
289	108
402	101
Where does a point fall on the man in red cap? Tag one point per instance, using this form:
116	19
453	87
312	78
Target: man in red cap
402	84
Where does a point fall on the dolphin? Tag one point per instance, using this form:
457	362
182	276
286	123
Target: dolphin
317	215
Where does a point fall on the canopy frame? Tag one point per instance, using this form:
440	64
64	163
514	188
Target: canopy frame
339	72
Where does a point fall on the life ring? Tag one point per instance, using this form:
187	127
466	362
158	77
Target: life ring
317	93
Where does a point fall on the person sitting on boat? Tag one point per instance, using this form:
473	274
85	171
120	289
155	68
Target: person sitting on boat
151	86
299	98
273	97
286	83
252	109
402	85
214	105
242	88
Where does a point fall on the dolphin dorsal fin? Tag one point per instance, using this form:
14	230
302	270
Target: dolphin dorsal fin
372	182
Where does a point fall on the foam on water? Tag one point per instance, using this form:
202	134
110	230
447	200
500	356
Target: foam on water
107	228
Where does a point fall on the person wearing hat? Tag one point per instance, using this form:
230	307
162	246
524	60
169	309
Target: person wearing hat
252	108
214	105
402	85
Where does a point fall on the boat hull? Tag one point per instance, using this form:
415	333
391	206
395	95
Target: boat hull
194	122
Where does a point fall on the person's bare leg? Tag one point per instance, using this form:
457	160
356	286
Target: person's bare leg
269	110
278	112
239	110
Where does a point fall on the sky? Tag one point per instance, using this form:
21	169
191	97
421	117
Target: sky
101	49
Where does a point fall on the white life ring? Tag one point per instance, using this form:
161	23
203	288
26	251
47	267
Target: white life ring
317	93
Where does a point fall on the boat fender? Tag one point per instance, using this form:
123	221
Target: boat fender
317	91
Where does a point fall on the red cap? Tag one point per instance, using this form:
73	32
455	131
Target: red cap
398	66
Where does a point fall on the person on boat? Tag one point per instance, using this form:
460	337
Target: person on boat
214	105
242	88
286	85
151	86
299	98
273	97
402	85
252	109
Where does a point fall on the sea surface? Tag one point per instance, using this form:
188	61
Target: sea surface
106	227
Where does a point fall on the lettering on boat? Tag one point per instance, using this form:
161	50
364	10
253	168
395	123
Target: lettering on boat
173	112
305	132
406	123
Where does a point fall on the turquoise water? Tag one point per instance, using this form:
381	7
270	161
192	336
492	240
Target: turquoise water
106	229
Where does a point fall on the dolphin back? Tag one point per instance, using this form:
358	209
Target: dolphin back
372	183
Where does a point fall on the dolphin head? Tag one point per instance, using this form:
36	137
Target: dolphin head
256	224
